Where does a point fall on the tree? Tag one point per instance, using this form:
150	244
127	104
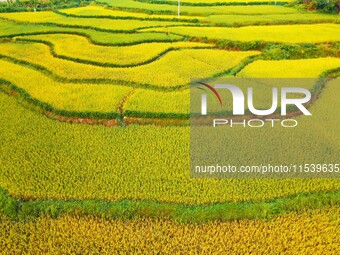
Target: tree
34	4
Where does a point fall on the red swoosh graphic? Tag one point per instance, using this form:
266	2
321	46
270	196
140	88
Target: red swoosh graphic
213	90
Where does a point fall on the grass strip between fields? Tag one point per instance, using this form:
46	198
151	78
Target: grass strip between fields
17	208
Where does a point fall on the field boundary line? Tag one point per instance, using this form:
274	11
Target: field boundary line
20	209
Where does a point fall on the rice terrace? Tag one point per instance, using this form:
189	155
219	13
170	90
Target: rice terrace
95	127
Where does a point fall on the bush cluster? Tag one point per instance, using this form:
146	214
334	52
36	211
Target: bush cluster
39	5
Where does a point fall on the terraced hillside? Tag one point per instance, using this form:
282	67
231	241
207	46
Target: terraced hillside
94	109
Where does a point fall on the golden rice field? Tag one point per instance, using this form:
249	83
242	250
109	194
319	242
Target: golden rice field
198	10
106	97
65	96
310	232
196	63
108	24
94	108
310	33
159	171
10	29
233	18
79	48
300	68
97	11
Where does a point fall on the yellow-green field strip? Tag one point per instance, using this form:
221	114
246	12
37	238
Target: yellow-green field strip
107	101
104	25
78	149
310	33
10	29
78	49
130	62
228	20
160	74
295	232
135	6
143	58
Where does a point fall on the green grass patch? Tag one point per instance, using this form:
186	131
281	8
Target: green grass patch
128	209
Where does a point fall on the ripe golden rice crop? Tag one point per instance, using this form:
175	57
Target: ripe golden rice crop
94	162
67	170
164	72
310	232
57	19
92	97
313	33
162	102
299	68
78	47
294	18
9	28
64	96
201	10
232	18
102	11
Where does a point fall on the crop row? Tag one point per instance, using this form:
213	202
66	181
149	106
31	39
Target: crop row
94	162
56	41
75	99
221	39
298	68
98	11
11	29
105	25
78	49
314	33
135	6
162	73
101	12
310	232
91	100
220	20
